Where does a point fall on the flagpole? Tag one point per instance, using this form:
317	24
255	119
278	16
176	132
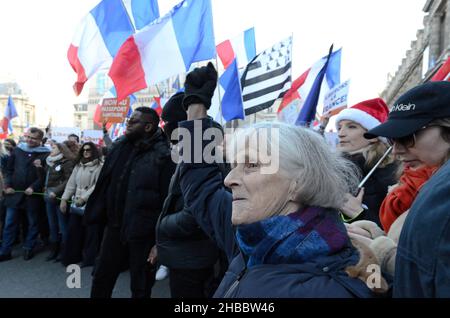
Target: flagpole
218	90
361	184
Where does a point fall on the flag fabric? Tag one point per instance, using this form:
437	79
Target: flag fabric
176	83
242	47
308	111
232	106
165	48
296	96
10	113
267	77
443	74
101	33
156	105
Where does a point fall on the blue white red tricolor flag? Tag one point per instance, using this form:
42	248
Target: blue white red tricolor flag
101	33
296	96
165	48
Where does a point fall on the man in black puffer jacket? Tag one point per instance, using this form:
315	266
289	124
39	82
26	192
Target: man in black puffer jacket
181	244
128	198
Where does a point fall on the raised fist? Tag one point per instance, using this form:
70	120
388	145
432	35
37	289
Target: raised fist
200	85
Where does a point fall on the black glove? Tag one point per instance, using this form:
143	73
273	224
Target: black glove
200	85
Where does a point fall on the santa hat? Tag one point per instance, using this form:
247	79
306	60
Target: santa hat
368	114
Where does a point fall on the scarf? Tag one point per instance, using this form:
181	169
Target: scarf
52	159
295	238
24	146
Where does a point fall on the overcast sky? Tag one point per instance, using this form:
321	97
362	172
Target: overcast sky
374	35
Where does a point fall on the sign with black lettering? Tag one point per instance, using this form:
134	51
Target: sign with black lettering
113	111
336	99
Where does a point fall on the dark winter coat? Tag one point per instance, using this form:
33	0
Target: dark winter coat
21	174
375	188
58	175
207	199
181	242
148	182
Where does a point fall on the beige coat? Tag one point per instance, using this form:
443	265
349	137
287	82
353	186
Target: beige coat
82	180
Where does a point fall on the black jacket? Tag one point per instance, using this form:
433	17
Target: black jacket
181	242
148	181
21	174
57	175
376	187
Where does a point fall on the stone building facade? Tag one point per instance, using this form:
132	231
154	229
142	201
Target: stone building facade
427	53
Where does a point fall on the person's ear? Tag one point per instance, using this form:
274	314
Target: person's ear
373	141
148	128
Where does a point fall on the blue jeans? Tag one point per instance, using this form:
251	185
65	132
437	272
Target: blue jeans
11	224
57	221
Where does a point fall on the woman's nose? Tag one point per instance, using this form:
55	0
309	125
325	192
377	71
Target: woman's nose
232	179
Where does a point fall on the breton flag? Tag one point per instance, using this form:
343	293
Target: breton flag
443	74
101	33
242	47
10	113
267	77
294	99
165	48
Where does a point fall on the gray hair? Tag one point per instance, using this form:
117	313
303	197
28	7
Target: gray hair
322	176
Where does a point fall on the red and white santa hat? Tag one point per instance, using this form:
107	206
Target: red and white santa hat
369	113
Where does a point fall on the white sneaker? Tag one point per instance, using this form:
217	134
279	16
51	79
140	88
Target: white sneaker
162	273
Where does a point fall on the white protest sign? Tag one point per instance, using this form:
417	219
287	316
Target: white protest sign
94	136
336	99
62	133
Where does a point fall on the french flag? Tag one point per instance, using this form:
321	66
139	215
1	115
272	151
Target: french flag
232	104
10	113
296	96
101	33
165	48
242	47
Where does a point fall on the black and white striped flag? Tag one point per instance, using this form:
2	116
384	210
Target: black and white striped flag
267	77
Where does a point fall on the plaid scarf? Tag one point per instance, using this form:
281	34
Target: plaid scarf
295	238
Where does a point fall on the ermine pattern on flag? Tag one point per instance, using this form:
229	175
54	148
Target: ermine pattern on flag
267	77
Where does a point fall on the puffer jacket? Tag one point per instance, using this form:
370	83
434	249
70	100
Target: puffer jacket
82	180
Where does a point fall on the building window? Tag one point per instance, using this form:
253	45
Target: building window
426	61
442	30
27	118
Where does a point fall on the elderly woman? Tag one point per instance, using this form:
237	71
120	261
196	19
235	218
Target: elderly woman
419	127
289	240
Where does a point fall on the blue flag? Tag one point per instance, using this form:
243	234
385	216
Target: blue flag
232	105
308	111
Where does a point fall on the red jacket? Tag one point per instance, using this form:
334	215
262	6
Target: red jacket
401	198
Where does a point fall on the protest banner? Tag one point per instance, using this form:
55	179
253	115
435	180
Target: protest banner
336	99
95	136
114	112
59	134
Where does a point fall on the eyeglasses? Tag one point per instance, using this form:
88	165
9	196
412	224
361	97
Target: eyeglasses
87	150
408	141
133	122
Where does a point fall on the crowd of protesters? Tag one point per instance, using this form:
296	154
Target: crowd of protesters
368	219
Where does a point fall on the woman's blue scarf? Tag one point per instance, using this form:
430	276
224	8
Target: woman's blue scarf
294	238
